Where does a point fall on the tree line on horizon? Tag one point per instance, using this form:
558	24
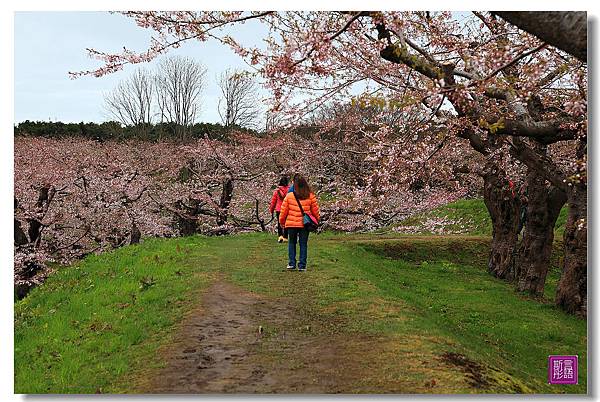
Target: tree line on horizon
114	130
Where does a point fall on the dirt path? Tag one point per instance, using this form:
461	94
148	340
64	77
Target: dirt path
219	348
241	342
212	348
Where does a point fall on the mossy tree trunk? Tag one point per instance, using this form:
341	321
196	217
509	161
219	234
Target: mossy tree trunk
544	203
504	209
571	294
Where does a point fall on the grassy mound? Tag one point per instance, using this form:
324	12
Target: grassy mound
463	217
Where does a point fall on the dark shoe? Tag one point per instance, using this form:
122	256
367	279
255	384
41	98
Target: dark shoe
291	268
301	269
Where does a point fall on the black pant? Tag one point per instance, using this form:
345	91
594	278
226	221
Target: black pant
280	231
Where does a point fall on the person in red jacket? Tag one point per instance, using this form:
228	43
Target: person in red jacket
275	206
292	220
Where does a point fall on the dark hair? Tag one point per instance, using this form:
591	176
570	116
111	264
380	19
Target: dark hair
283	181
301	187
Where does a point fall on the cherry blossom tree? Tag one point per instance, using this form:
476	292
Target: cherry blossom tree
508	94
74	197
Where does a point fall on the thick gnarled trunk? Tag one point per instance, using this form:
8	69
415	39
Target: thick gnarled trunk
504	211
533	259
571	294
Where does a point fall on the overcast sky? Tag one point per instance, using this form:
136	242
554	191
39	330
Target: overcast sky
50	44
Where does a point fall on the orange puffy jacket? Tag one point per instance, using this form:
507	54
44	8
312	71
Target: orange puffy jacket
291	217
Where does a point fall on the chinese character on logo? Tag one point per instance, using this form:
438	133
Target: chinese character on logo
568	370
562	370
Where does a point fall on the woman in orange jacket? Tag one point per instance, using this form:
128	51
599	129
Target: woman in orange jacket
291	218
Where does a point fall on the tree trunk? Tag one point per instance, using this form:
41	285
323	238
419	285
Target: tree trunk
225	200
533	259
45	196
504	211
571	294
135	235
20	237
188	226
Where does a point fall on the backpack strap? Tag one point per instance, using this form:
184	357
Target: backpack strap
299	203
279	194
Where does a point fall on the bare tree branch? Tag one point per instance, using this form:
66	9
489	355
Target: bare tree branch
238	104
180	81
131	101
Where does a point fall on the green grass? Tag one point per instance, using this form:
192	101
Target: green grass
559	228
462	216
91	327
483	315
90	323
